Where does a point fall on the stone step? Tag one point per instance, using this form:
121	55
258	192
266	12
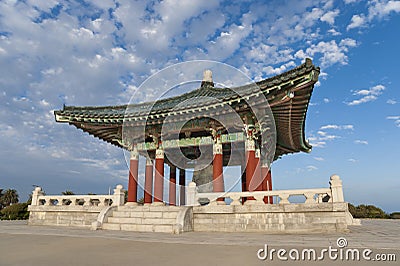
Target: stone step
159	228
145	219
169	214
109	226
150	221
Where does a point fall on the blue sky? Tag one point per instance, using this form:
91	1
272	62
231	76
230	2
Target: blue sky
99	52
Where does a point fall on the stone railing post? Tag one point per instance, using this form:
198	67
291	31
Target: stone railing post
119	196
36	193
336	188
284	198
191	194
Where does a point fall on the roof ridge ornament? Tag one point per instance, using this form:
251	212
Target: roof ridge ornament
308	62
207	79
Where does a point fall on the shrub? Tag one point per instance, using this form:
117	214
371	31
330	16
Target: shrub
367	211
18	211
395	215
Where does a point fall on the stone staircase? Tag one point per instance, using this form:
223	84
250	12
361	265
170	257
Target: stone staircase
149	218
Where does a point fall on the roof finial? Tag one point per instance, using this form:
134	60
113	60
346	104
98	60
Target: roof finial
207	78
308	62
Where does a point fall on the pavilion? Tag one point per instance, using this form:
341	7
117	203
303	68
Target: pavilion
254	145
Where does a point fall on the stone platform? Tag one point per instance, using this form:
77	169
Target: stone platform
273	218
323	210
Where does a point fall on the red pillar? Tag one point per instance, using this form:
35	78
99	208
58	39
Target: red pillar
250	166
243	171
264	174
267	183
257	178
182	183
269	186
133	177
159	177
172	185
218	179
148	182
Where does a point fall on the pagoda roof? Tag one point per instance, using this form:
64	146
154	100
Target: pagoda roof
105	122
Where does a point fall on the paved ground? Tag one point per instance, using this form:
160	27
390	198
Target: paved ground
33	245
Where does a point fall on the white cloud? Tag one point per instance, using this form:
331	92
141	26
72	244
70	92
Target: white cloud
44	103
363	142
323	75
320	159
352	160
268	70
357	21
52	71
350	1
326	100
44	5
348	43
317	144
330	16
329	137
312	168
365	99
325	136
334	32
337	127
396	120
269	53
391	101
382	8
331	52
321	138
376	9
367	95
228	42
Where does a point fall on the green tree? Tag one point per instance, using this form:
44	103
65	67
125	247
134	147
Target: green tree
8	197
17	211
367	211
29	201
395	215
1	195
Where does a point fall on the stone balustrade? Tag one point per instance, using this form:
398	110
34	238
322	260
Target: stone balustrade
323	210
333	194
117	199
71	210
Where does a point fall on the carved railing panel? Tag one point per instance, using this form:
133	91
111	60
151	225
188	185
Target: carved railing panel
116	199
311	196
